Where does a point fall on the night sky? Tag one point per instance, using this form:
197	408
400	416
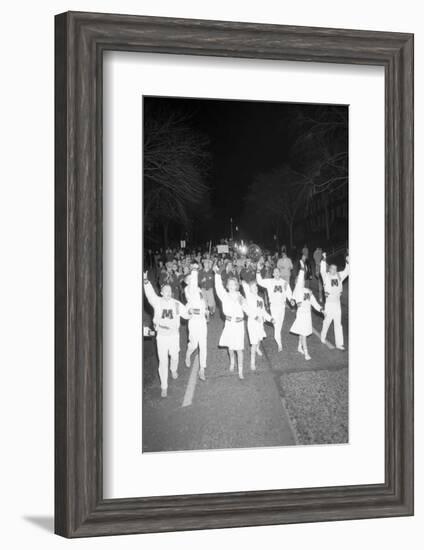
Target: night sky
246	138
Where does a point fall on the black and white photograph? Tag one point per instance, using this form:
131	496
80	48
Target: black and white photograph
246	274
210	258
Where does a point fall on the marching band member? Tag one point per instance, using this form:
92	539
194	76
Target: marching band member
233	307
333	288
278	292
305	300
197	325
166	320
256	316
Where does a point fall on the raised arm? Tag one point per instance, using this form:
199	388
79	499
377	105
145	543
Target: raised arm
261	281
151	295
219	287
193	284
245	288
323	266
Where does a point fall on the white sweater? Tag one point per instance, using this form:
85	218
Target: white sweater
167	313
333	284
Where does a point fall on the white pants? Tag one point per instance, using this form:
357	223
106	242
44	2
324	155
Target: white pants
168	346
209	298
333	312
197	336
278	313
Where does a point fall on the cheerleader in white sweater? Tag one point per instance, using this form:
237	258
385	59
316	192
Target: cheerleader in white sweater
233	308
197	325
333	288
256	316
278	292
166	320
303	322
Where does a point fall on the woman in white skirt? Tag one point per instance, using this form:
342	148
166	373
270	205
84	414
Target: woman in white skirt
256	316
303	322
233	308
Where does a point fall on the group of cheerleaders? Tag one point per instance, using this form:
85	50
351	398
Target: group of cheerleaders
235	305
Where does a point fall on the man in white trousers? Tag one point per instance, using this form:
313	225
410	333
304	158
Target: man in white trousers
333	287
166	320
197	325
278	292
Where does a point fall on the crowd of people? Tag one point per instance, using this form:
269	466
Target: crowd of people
181	283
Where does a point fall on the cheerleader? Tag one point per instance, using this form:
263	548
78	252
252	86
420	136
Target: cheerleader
256	316
166	320
233	308
278	292
197	325
333	288
303	322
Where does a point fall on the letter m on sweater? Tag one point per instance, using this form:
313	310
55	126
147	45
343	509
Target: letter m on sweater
167	313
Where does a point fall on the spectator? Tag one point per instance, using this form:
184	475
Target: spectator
285	265
170	277
206	284
228	273
248	272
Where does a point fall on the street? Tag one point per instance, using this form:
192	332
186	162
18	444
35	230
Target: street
286	401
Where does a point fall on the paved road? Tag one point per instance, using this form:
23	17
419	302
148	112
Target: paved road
287	401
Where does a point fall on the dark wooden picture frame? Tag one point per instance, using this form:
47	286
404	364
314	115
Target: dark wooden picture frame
81	39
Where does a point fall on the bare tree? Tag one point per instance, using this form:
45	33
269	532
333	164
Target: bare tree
175	163
276	198
320	152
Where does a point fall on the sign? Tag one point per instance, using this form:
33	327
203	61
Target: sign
222	248
182	244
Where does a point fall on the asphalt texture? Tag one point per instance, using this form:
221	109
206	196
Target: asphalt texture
286	401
